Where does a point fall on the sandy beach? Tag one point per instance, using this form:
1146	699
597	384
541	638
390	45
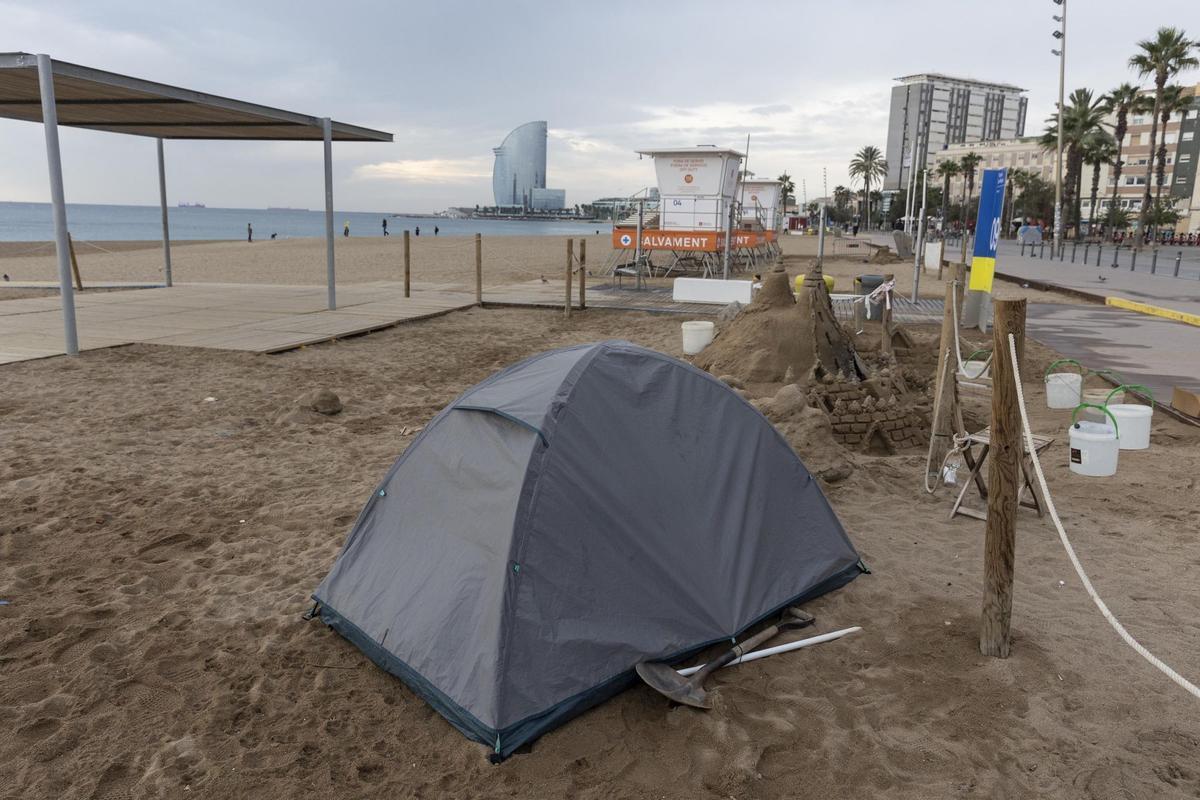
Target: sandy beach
157	551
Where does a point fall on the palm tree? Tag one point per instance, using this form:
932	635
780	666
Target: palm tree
1164	57
1083	117
1098	149
947	170
1019	179
969	162
787	188
1174	100
868	164
1120	101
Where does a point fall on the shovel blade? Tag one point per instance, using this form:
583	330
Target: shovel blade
669	683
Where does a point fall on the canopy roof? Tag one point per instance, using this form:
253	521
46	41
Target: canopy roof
702	149
105	101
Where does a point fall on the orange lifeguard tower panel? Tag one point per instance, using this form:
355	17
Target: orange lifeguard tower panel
696	187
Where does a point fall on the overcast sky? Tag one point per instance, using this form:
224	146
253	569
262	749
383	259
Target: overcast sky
808	81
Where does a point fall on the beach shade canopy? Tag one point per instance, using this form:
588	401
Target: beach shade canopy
38	88
571	516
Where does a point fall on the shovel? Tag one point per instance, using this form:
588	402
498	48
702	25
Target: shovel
663	678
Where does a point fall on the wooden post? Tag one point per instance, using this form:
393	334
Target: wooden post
945	389
1004	479
479	269
960	289
570	267
407	269
582	274
885	320
74	263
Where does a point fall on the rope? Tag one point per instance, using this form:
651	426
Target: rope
1181	681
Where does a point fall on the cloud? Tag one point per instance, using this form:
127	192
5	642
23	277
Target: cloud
427	170
777	108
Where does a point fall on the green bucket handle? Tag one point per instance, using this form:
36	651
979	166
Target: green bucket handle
1145	391
977	352
1116	429
1046	376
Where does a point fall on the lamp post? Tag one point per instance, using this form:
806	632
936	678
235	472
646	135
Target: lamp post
1061	35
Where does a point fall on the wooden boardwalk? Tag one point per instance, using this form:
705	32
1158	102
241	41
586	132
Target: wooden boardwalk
657	299
254	318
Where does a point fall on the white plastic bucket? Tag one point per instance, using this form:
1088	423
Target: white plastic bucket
1132	418
1064	389
1095	447
972	370
1134	421
697	336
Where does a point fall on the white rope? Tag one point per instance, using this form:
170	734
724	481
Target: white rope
1183	682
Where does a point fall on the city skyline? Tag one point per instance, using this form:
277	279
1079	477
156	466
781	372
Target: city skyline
448	106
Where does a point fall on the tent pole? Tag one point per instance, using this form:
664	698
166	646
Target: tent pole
162	199
58	202
328	131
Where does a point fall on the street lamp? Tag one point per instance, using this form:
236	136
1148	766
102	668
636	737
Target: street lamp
1061	53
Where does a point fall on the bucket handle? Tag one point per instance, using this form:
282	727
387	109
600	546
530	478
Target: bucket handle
1145	390
1046	376
977	352
1116	429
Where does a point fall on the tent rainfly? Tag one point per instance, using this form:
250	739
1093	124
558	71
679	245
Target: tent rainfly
41	89
567	518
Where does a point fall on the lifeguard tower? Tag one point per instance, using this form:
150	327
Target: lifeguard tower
759	220
697	190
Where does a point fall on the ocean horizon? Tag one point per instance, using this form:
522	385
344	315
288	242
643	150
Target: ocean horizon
32	222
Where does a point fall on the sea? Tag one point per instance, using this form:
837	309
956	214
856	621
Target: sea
32	222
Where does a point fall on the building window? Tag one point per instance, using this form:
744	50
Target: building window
1185	157
1181	180
1188	136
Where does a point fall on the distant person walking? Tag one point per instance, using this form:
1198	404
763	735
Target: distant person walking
346	229
417	232
435	230
385	233
249	232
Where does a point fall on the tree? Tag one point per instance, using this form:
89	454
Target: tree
1165	56
1174	100
1019	179
1098	149
969	163
787	189
867	165
1117	218
1120	101
947	170
1082	118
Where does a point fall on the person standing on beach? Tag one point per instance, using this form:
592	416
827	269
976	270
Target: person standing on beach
385	233
346	229
417	232
435	230
249	232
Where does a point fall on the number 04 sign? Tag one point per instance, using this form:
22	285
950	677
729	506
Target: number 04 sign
987	229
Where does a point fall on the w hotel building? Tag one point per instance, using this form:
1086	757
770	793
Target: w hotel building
939	111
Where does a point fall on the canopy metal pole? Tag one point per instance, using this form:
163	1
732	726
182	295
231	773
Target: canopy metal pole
328	131
162	199
58	202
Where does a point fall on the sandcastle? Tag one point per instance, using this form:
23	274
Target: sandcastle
796	341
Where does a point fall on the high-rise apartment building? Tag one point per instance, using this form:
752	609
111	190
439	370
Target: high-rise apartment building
937	111
1181	135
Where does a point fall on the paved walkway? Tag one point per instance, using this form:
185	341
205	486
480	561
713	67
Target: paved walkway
1162	290
255	318
1157	353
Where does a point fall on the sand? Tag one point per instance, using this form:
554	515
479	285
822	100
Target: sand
444	260
158	550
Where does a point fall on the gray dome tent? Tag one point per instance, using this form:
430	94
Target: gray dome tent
567	518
